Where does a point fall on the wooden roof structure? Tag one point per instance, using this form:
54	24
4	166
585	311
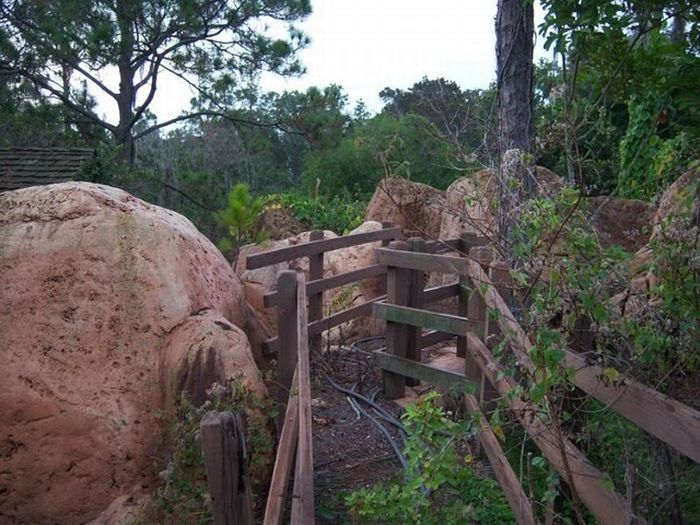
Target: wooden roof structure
22	167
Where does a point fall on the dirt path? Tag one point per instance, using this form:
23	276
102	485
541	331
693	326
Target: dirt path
349	451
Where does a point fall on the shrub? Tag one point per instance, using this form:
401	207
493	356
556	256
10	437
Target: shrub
439	486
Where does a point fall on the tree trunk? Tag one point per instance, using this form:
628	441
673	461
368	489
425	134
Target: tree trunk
127	94
514	47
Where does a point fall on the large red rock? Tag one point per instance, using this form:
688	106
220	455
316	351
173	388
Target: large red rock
621	222
470	202
408	205
108	304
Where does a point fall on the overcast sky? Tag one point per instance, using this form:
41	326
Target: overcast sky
366	45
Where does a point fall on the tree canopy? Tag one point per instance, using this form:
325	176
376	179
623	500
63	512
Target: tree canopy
216	46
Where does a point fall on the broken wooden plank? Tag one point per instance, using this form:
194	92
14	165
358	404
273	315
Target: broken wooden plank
518	501
223	446
591	485
669	420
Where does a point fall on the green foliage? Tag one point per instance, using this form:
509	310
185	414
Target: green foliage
647	161
665	336
407	146
439	487
182	498
218	45
622	113
240	219
340	213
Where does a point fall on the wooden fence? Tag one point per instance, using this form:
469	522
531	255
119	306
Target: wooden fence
478	293
480	286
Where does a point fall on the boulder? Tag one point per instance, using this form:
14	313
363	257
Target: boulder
469	202
103	296
621	222
408	205
682	197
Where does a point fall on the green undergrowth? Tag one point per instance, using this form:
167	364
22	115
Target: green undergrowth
183	495
340	213
440	485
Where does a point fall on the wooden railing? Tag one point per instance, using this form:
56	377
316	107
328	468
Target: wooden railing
296	429
478	292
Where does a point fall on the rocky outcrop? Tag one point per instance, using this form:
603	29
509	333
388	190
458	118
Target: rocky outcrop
109	306
408	205
678	216
470	199
621	222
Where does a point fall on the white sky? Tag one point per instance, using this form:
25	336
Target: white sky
366	45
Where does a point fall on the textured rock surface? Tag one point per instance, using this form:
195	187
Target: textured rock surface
469	200
621	222
95	284
409	205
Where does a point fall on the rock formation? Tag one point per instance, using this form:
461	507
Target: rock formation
408	205
109	307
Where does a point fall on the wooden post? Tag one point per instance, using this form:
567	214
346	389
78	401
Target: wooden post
287	334
396	334
415	300
303	491
223	445
385	244
467	241
316	300
478	311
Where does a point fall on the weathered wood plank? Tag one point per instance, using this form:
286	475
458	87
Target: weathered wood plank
223	445
416	283
270	299
287	332
661	416
591	485
434	337
518	501
396	335
428	262
284	460
424	372
318	327
438	293
321	285
671	421
303	502
315	299
267	258
450	324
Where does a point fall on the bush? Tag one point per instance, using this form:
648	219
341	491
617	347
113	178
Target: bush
439	485
340	213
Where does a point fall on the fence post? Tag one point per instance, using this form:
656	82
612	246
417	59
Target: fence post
287	337
466	242
385	244
396	334
315	300
415	300
223	445
477	310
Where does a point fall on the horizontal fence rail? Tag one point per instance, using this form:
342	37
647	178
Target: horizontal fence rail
307	249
